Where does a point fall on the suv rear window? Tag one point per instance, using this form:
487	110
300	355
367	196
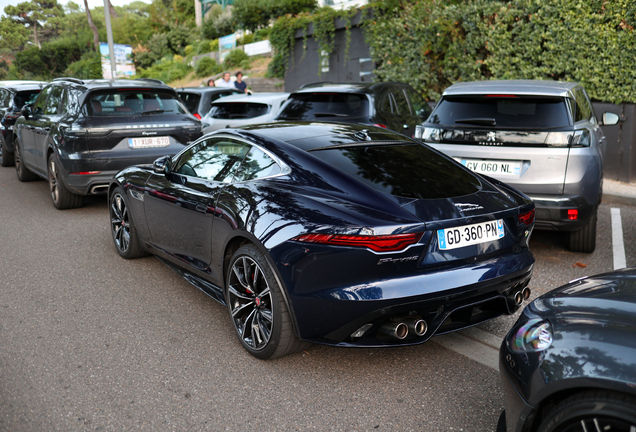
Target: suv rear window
25	97
133	102
191	101
406	170
309	106
238	110
507	112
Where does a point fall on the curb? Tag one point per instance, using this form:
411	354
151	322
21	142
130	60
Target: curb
615	198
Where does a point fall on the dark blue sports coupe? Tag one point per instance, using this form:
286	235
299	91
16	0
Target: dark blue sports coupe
338	234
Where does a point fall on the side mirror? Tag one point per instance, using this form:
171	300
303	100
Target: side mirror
609	118
163	165
26	111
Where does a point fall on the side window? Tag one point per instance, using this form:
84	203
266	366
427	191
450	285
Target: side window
4	98
38	105
401	102
583	109
257	164
215	159
54	103
385	104
421	108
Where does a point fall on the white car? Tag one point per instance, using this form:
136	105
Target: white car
241	110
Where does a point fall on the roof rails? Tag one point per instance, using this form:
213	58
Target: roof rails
314	84
152	80
75	80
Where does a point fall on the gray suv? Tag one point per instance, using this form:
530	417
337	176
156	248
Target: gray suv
541	137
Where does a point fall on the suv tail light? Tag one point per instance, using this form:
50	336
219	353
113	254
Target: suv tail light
527	218
380	125
197	115
380	243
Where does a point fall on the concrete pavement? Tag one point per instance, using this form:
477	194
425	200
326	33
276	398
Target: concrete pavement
618	192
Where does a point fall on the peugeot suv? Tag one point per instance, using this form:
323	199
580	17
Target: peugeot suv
78	134
391	105
541	137
13	96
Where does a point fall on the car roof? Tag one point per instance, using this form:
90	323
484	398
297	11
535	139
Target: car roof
516	87
255	98
110	83
203	89
13	83
367	88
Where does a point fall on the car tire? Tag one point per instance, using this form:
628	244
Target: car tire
257	308
23	173
581	411
584	240
6	157
122	226
61	197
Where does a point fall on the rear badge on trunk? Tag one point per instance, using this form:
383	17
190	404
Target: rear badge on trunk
396	260
464	207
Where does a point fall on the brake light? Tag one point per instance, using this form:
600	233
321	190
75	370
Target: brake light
573	214
501	96
197	115
380	125
86	172
381	243
527	218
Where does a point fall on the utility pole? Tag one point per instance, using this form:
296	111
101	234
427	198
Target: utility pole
109	34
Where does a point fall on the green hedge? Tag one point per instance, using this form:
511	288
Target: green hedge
432	44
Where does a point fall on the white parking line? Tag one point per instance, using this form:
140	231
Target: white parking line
473	343
617	240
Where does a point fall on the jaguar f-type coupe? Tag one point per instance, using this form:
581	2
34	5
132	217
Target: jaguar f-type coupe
338	234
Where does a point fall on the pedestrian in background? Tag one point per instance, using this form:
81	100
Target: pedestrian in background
225	82
239	83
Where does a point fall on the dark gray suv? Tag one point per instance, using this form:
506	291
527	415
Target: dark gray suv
541	137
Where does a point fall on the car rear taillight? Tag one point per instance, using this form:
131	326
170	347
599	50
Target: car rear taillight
501	96
380	125
85	172
197	115
527	218
380	243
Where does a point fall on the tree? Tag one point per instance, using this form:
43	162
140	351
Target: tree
92	26
32	14
13	36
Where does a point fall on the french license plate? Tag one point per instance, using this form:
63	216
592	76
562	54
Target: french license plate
452	238
149	142
489	167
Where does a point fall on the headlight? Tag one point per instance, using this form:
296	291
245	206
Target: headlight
535	335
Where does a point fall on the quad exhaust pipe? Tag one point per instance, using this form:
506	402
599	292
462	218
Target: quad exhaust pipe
520	296
401	328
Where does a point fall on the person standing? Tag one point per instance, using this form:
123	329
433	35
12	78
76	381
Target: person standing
239	83
225	82
211	83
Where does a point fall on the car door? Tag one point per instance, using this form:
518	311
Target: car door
27	130
53	110
180	205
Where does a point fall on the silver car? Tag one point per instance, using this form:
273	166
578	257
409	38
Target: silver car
541	137
241	110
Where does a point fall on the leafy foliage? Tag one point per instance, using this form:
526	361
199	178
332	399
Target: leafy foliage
88	67
206	66
236	58
219	23
254	14
166	70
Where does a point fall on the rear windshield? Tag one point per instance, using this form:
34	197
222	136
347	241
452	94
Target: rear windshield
406	170
310	106
191	101
25	97
501	112
121	103
238	110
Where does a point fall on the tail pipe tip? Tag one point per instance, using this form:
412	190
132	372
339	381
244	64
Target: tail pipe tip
397	330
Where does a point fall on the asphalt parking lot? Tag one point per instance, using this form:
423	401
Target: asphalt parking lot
89	341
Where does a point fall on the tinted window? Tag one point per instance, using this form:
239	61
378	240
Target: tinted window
257	164
401	102
421	108
308	106
38	106
508	112
25	97
191	101
54	102
215	159
137	102
407	170
385	104
583	109
238	110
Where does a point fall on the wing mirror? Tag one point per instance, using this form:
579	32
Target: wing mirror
609	118
27	111
163	165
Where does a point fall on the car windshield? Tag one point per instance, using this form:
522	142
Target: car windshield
407	170
238	110
310	106
191	101
121	103
25	97
501	111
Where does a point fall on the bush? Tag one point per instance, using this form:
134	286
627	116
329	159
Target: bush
88	67
237	58
220	23
166	70
206	66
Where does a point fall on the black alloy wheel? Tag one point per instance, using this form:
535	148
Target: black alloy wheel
6	157
257	308
62	198
592	411
23	173
122	227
